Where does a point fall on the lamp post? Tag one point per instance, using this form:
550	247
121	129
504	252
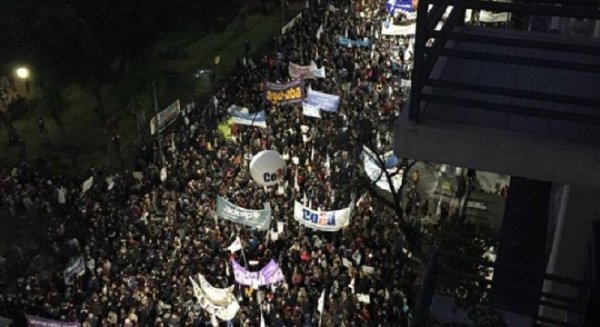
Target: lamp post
23	73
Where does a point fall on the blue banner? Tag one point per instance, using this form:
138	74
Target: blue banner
361	43
241	116
405	6
326	102
284	93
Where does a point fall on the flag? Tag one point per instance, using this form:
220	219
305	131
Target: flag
296	186
321	305
87	185
319	32
110	182
236	245
61	195
361	199
163	174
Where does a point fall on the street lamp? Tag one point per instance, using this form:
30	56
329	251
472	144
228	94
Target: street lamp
23	73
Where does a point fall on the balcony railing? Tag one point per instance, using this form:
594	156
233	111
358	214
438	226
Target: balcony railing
449	274
431	45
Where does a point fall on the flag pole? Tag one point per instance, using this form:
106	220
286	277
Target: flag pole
242	249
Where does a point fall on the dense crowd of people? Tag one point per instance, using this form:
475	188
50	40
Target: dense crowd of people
142	237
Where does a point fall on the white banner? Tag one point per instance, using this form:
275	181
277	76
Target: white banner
493	17
224	312
164	118
311	71
311	110
327	221
376	174
387	28
217	296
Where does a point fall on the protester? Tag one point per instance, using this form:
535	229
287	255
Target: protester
141	236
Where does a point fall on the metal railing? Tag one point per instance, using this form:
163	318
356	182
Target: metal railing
446	275
431	45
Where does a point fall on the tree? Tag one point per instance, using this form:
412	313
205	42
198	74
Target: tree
137	105
13	136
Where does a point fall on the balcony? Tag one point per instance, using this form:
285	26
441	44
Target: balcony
512	100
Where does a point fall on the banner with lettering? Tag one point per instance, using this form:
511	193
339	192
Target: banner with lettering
327	221
33	321
389	28
326	102
284	93
311	110
311	71
361	43
259	219
219	302
241	116
406	7
165	118
271	273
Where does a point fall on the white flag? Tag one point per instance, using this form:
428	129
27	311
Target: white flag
296	186
319	32
87	184
236	245
110	182
321	305
163	174
61	195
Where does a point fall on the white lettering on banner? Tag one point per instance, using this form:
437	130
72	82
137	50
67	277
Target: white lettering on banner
240	213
